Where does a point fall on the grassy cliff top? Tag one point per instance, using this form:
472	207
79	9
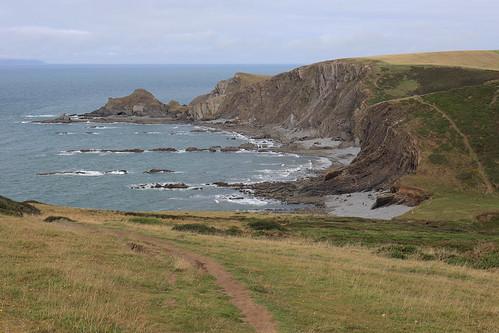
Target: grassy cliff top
473	59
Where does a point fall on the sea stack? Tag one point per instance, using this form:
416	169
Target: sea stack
140	103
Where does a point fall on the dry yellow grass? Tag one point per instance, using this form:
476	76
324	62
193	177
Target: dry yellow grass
308	286
471	59
68	277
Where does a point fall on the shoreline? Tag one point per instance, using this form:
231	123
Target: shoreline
338	154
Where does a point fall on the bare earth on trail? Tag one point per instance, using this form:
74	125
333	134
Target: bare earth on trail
254	314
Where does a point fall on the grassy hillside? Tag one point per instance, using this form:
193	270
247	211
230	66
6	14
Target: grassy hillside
452	112
472	59
475	111
56	277
109	272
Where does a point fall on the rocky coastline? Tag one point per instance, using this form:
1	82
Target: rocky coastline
317	110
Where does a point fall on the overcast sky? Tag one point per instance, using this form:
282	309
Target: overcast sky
236	31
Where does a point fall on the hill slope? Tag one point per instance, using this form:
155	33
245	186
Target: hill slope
411	121
98	271
472	59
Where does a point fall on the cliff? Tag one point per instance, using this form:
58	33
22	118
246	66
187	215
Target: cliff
318	98
369	103
207	107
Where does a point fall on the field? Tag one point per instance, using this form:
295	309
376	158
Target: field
472	59
93	271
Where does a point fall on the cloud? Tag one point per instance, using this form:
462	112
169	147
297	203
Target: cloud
43	31
239	31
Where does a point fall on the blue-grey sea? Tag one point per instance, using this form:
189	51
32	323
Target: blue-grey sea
95	180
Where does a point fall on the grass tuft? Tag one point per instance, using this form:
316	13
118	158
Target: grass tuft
145	220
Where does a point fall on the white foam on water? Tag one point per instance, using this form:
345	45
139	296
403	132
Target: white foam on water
102	127
152	186
83	173
39	116
117	172
240	199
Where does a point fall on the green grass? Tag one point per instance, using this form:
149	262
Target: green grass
396	81
455	242
471	110
145	220
197	228
315	273
73	280
326	289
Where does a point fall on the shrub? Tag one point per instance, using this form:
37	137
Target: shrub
398	251
263	225
145	220
437	159
51	219
197	228
233	231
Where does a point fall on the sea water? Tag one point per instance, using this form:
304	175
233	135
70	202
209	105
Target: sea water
48	162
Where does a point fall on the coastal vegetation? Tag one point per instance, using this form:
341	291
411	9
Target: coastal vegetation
427	128
101	273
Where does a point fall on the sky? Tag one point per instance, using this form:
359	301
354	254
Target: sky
239	32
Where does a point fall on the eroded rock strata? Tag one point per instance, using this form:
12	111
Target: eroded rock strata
140	103
324	100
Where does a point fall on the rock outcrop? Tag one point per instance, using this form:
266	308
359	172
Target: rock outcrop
140	103
327	99
320	98
208	106
11	207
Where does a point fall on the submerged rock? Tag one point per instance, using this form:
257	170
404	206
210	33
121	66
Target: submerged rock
229	149
158	186
193	149
154	171
167	149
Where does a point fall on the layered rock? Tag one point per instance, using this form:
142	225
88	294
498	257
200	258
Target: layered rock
319	98
140	103
327	99
207	107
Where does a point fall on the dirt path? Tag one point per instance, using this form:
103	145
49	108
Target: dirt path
254	314
473	155
494	99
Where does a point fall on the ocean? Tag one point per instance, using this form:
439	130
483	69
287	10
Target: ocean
48	162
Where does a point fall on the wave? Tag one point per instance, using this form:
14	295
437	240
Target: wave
65	133
162	186
240	199
40	116
148	133
84	173
117	172
102	127
100	151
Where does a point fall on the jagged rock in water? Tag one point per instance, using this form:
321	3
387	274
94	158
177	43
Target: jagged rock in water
140	103
155	171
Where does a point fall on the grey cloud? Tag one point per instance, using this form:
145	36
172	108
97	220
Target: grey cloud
236	31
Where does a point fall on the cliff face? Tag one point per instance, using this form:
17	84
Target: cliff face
388	152
327	99
140	103
207	107
319	98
